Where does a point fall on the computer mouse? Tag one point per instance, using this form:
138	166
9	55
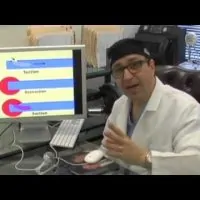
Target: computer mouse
94	156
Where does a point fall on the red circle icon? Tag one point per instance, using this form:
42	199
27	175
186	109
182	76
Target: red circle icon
6	109
4	85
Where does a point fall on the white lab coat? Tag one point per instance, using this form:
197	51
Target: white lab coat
169	127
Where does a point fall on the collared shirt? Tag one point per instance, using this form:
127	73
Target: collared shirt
131	123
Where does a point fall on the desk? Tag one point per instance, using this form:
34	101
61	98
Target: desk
34	157
6	137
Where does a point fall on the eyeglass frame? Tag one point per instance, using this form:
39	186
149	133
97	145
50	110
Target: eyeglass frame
137	69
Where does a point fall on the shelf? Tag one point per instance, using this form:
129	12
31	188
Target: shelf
99	72
93	73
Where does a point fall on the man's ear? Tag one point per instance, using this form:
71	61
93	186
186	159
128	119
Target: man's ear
152	63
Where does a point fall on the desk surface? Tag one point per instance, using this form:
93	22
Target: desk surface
6	137
34	157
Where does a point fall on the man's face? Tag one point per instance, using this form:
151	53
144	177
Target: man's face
134	75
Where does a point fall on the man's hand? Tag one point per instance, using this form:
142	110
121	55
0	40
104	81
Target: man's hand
120	146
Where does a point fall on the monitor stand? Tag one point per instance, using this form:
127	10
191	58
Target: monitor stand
34	132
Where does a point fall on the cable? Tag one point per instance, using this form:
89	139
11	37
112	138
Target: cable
22	157
46	161
69	163
2	132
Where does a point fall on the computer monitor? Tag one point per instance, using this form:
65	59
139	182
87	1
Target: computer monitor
41	84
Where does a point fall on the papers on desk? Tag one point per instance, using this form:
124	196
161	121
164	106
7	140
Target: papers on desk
52	39
97	39
50	35
37	29
190	66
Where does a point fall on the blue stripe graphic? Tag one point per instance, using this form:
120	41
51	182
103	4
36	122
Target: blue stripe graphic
42	106
39	63
38	84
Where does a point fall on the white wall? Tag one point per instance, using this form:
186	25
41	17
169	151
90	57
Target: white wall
130	30
12	35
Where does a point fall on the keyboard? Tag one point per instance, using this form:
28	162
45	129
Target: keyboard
67	133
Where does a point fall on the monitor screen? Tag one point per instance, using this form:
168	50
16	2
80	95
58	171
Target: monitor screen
42	82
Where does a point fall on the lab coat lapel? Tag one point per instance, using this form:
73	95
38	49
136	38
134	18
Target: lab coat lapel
122	117
146	123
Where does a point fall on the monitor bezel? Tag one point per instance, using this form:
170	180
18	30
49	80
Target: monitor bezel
83	115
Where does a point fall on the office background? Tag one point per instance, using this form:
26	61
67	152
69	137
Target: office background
15	35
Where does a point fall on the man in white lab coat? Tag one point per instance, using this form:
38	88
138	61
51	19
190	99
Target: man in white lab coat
153	128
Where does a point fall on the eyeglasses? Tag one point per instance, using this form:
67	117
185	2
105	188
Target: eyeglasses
133	68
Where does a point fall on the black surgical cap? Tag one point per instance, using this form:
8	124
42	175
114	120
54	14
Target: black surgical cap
126	47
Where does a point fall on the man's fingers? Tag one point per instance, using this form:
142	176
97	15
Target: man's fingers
116	130
110	146
108	140
114	137
114	154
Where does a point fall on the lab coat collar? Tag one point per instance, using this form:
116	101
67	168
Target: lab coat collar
156	96
152	105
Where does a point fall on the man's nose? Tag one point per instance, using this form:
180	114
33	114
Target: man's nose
127	74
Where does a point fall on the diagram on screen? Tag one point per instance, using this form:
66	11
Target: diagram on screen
11	86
